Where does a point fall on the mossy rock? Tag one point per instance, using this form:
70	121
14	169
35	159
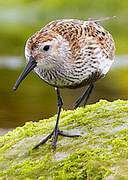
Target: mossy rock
100	153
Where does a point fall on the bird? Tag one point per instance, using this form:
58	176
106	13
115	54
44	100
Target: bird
69	53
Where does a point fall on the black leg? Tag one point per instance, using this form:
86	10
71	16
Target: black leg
86	94
59	104
56	130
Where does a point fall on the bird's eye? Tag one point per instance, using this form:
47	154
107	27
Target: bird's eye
46	48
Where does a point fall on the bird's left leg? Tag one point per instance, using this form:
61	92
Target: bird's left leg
86	94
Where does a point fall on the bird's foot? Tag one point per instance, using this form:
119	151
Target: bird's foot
55	134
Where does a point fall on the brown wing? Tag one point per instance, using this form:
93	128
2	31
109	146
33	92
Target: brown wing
76	31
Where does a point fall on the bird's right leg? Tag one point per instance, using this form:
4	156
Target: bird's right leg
86	94
56	130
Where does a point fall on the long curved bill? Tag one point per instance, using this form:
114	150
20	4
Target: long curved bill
29	67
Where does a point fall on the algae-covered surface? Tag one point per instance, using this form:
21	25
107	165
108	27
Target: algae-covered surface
100	153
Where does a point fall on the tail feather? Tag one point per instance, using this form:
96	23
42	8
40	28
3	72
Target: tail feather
101	19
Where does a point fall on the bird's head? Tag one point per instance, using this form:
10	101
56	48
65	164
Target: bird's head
43	50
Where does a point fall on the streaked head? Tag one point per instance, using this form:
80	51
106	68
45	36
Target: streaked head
41	51
41	45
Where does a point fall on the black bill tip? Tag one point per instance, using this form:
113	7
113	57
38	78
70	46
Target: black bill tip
14	88
29	67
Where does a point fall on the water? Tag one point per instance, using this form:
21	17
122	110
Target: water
35	100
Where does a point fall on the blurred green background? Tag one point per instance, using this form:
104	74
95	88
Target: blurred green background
34	99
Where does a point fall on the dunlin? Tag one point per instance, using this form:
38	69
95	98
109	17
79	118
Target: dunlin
69	53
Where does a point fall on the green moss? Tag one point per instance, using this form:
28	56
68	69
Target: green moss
101	152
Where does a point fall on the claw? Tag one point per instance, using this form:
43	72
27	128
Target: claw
58	132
